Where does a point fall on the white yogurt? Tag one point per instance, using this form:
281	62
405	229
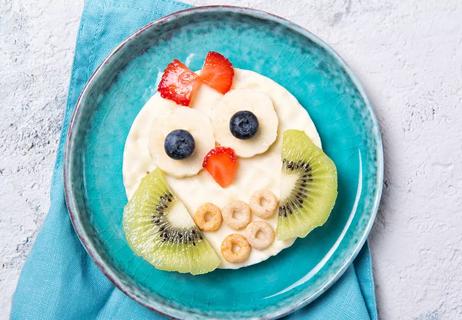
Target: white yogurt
256	173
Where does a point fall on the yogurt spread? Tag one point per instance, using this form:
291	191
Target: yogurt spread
262	171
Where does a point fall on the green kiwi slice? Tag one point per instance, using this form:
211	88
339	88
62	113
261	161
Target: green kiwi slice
159	228
308	186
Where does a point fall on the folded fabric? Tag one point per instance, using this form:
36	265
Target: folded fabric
59	279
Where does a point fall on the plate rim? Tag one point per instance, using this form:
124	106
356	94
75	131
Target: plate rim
69	193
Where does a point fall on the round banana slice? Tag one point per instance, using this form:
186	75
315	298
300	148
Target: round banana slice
193	121
257	103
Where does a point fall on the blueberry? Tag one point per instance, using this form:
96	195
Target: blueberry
243	125
179	144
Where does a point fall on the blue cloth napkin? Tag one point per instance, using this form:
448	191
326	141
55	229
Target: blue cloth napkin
60	281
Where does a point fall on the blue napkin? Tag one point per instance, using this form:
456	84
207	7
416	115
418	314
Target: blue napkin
60	281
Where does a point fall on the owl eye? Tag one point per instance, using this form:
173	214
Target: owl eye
179	144
246	121
243	125
179	140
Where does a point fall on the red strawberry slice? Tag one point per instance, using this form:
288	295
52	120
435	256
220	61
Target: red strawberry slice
222	165
217	72
178	83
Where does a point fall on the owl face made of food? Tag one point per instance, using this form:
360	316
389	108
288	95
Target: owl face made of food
222	168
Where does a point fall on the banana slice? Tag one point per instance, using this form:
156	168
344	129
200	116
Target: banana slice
261	106
193	121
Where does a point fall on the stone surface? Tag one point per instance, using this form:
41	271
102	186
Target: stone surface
407	53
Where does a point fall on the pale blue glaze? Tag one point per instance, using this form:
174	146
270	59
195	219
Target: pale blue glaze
275	48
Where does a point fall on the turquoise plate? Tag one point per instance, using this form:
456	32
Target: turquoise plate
278	49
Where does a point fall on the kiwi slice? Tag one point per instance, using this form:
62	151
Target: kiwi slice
308	186
159	228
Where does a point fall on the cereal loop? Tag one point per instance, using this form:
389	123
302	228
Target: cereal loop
237	214
260	234
263	203
235	248
208	217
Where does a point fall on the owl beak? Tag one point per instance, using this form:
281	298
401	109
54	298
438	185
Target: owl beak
222	164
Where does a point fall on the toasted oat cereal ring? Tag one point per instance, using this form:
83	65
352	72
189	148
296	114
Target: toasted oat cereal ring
237	214
260	234
208	217
235	248
263	203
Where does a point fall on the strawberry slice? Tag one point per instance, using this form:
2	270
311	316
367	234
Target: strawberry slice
222	165
217	72
178	83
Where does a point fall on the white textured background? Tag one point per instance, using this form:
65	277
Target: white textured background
407	53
